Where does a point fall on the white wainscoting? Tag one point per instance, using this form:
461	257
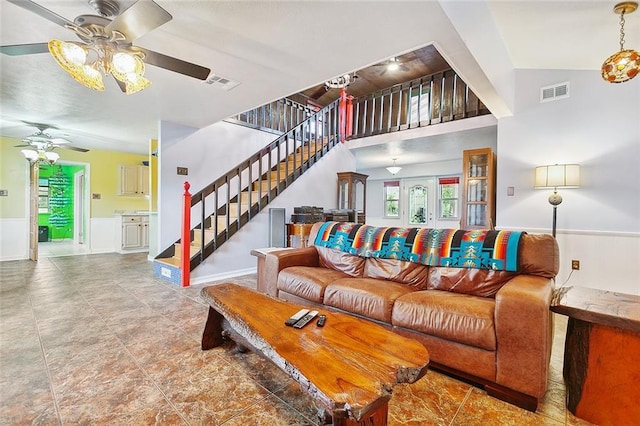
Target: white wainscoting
14	239
103	239
608	260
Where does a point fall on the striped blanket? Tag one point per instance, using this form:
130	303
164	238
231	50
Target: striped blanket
481	249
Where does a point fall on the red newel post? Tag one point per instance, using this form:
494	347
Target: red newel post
342	115
185	237
349	121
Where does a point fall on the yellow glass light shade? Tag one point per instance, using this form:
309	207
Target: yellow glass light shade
69	56
136	83
90	77
621	66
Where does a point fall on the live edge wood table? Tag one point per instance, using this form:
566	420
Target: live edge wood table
602	354
349	366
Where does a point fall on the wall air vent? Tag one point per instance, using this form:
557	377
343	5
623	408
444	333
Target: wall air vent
221	82
554	92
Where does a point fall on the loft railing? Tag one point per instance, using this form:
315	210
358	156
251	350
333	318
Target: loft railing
278	116
221	208
421	102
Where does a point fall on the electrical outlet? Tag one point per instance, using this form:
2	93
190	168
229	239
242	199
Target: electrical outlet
575	265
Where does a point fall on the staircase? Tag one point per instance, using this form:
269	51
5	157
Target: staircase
231	201
224	206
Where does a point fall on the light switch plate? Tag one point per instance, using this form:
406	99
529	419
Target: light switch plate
183	171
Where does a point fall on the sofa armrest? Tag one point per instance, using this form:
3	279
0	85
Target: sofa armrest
277	261
524	332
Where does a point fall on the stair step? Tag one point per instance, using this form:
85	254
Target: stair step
172	261
178	250
208	236
265	185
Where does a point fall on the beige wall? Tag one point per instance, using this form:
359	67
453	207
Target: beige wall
104	179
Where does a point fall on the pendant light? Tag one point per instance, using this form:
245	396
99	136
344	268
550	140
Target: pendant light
625	64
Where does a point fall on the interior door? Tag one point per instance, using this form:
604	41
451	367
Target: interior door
419	204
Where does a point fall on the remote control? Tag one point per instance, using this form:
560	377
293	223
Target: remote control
295	317
321	320
305	320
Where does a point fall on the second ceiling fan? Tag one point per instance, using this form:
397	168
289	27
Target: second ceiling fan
106	45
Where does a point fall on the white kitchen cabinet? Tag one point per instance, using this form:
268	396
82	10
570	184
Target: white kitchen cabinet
134	180
134	233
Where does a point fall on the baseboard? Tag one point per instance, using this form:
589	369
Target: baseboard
219	277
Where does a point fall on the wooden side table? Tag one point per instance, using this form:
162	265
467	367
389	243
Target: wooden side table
300	231
601	354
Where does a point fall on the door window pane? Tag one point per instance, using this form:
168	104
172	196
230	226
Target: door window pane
448	192
417	205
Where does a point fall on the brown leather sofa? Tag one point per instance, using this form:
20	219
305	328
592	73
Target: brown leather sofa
493	328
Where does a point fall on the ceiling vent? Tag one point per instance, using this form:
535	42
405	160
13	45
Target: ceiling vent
221	82
554	92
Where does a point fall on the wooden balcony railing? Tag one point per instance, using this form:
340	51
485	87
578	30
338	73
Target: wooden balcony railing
421	102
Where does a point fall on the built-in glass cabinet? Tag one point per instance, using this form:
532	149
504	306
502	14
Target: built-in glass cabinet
479	195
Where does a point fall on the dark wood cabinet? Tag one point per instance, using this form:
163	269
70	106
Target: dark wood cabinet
352	193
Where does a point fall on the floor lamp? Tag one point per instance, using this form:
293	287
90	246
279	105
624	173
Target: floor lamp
557	176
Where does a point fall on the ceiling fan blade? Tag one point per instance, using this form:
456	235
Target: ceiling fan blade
59	141
403	67
43	12
121	85
22	146
174	64
73	148
142	17
24	49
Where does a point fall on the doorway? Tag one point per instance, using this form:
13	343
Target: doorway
62	215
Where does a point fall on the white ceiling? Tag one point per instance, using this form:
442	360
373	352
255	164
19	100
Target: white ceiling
276	48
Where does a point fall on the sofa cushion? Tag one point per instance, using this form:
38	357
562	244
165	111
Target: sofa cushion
350	264
368	297
409	273
476	282
307	282
451	316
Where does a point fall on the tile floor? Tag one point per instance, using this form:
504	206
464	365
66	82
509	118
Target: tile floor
96	339
56	248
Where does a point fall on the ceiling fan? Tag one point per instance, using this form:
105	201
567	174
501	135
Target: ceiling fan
42	141
106	45
392	64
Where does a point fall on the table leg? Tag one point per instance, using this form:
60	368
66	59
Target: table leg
212	334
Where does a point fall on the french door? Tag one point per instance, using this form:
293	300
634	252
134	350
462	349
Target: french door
419	202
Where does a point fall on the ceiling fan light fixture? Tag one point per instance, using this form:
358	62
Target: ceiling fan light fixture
624	64
136	83
393	64
30	154
90	77
125	63
69	56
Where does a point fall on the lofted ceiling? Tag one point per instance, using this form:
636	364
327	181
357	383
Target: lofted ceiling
274	49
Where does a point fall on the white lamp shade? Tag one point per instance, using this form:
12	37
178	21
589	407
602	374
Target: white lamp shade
558	176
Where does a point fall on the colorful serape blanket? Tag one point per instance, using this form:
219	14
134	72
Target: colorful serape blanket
481	249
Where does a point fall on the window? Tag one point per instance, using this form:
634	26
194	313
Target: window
392	199
448	190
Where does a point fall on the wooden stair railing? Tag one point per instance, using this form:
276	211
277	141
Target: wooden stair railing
228	203
231	201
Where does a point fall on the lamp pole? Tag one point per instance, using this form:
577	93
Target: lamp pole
554	199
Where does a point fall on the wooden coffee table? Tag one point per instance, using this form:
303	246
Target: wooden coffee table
349	366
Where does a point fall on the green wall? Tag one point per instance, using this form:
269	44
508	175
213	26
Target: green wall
60	218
